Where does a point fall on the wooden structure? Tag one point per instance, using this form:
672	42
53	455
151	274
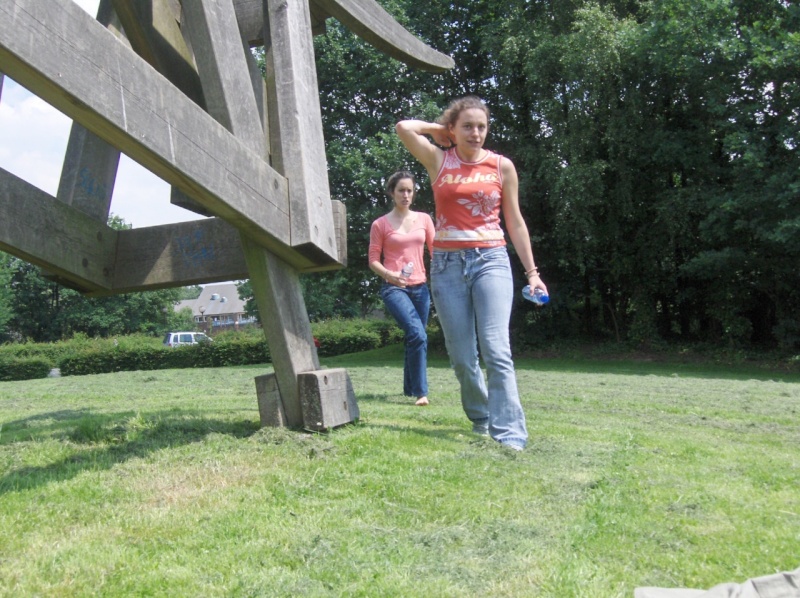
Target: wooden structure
173	85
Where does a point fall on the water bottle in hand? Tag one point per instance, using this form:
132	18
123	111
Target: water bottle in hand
539	297
407	270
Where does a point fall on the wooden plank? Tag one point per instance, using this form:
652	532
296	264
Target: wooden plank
286	325
270	409
340	224
95	259
153	30
368	20
90	164
223	70
78	248
327	399
365	18
60	53
88	174
298	148
180	254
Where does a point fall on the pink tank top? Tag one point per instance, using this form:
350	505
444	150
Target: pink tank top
468	197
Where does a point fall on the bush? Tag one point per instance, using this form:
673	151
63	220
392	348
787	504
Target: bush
339	337
82	355
142	357
26	368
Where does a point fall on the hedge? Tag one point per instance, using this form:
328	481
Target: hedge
83	356
25	368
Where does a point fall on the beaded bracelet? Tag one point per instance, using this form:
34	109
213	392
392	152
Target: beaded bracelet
533	270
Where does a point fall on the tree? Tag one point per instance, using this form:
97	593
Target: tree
41	310
656	144
6	312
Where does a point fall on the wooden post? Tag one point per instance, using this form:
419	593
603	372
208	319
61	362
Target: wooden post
328	399
232	99
172	85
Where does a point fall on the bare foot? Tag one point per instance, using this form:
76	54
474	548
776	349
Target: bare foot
421	402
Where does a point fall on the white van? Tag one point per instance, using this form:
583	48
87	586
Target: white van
178	339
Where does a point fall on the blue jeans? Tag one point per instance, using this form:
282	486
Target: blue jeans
473	292
410	307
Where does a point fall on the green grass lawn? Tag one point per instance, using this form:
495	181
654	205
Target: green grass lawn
161	484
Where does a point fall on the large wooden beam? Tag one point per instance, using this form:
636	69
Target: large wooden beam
223	71
365	18
297	142
368	20
250	16
88	174
86	254
153	29
286	326
60	53
231	99
50	234
180	254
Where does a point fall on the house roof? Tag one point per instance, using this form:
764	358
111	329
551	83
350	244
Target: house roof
215	300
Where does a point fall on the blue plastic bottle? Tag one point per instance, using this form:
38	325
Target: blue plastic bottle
539	297
407	270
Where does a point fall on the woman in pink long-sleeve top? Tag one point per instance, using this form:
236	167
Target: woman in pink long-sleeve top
399	238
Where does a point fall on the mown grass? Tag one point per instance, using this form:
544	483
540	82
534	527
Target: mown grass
161	483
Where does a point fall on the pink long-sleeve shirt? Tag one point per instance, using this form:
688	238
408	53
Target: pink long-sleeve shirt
399	248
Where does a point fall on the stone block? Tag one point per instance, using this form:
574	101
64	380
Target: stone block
327	399
270	407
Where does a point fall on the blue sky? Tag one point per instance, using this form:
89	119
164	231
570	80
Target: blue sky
33	138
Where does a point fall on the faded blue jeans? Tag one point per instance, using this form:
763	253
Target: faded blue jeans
410	307
473	292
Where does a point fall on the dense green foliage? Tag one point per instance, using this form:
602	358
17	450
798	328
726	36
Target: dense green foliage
656	146
656	143
82	355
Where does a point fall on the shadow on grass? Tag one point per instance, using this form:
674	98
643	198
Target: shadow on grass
108	440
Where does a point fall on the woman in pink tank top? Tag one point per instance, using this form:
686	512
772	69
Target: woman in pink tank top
471	279
399	238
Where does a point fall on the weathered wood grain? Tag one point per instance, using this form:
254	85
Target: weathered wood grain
223	71
59	52
368	20
180	254
88	174
154	32
365	18
287	328
327	399
298	148
50	234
